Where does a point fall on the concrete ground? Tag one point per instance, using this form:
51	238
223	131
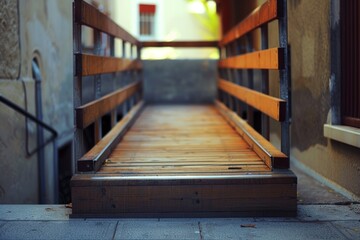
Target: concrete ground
322	214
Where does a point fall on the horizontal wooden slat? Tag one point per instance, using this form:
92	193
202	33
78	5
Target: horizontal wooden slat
181	44
272	157
259	178
88	113
87	64
264	59
261	15
271	106
93	160
88	15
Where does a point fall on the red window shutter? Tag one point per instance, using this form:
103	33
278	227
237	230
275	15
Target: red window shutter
147	8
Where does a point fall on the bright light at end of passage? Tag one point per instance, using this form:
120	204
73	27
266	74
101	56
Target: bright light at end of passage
196	7
211	5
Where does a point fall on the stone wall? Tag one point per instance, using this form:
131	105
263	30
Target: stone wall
9	39
180	81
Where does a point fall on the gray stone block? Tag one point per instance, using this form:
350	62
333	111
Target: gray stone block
74	229
350	229
157	230
326	213
270	230
2	223
180	81
34	212
9	39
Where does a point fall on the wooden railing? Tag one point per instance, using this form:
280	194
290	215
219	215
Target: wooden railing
183	44
97	64
234	94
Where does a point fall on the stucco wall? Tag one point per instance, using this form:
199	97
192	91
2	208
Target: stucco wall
309	37
41	29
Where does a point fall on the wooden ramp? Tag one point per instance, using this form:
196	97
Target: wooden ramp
183	161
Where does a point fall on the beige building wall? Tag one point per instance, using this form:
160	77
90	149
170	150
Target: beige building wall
332	162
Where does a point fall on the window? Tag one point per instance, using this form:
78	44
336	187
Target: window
350	62
147	20
345	73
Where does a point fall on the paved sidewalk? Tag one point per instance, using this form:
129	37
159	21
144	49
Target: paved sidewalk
52	222
322	214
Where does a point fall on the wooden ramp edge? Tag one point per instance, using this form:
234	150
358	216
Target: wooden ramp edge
272	194
127	187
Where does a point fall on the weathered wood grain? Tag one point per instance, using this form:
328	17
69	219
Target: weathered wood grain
273	157
264	59
271	106
184	44
272	194
90	16
180	131
261	15
87	64
88	113
94	159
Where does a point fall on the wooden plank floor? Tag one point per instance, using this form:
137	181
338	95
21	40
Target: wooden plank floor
182	140
183	161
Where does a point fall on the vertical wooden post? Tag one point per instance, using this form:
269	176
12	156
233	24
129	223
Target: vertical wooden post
78	141
238	76
235	77
250	75
97	86
219	72
265	82
112	53
132	75
123	76
229	77
285	84
139	74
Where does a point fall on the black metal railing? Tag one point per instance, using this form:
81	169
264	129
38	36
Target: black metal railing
18	109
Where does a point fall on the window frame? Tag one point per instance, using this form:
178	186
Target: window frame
336	130
154	21
350	62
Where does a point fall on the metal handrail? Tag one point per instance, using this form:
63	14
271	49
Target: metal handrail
33	118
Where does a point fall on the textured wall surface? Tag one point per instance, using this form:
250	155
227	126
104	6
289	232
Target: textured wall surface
180	81
9	40
45	33
309	37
